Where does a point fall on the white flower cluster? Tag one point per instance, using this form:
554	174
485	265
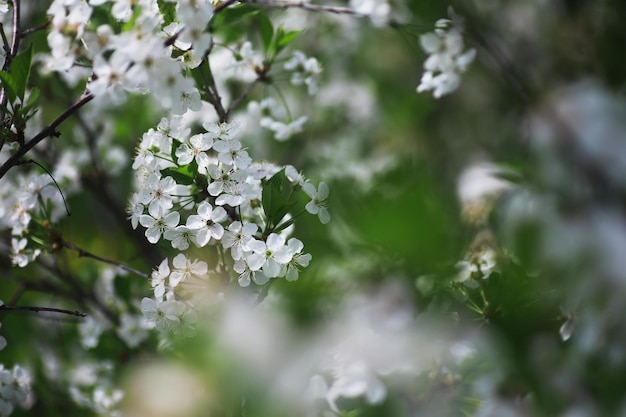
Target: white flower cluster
369	343
271	116
377	10
90	386
305	71
136	60
21	201
206	191
14	388
446	61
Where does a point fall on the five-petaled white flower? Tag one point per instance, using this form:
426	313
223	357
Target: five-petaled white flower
207	223
158	222
237	238
270	255
318	204
185	269
196	149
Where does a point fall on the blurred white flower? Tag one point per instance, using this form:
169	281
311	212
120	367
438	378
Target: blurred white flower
446	61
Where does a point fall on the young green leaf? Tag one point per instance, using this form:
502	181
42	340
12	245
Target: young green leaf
266	30
10	86
182	175
230	15
20	71
273	198
168	10
32	98
278	199
285	38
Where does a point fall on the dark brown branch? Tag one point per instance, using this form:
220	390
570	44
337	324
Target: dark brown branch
39	309
37	28
214	96
11	51
49	130
15	45
83	253
100	185
5	41
242	97
82	295
305	6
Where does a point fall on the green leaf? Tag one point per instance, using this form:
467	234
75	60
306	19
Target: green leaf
32	99
20	71
182	175
266	29
273	198
130	24
278	198
168	10
230	15
285	38
4	109
10	85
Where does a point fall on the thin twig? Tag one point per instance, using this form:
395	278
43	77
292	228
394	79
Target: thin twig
32	161
7	50
5	42
15	45
214	95
49	130
39	309
242	97
83	295
100	185
305	6
87	254
37	28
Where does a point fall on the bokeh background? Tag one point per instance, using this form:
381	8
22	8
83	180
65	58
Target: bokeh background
474	263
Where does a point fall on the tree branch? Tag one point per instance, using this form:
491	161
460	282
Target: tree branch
5	41
214	95
39	309
87	254
37	28
100	185
82	295
15	45
49	130
242	97
305	6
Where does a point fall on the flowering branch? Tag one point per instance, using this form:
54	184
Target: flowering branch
87	254
39	309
